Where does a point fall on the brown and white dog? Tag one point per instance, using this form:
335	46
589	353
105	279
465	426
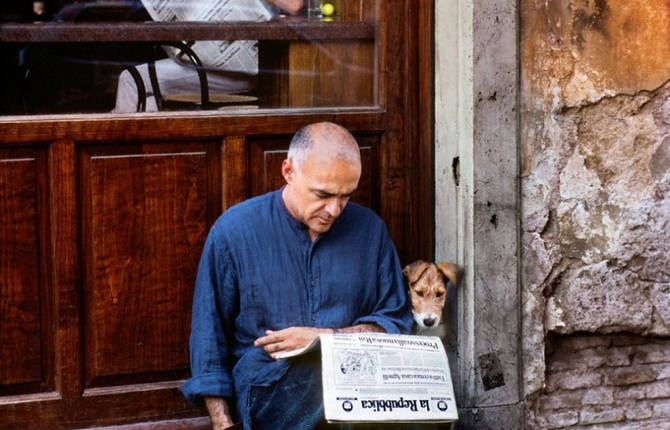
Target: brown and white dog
427	284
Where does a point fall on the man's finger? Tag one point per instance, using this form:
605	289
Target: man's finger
265	340
274	347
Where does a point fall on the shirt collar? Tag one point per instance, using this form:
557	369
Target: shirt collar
296	226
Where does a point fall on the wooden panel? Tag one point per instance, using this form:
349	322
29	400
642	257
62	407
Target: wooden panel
65	272
317	74
190	125
24	298
398	167
234	162
425	123
267	154
265	165
357	10
142	404
367	193
289	28
19	276
331	74
145	223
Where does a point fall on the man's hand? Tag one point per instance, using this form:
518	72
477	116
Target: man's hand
290	6
292	338
219	413
288	339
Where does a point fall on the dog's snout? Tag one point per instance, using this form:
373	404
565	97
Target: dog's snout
428	322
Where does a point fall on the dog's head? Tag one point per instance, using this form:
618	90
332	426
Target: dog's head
428	289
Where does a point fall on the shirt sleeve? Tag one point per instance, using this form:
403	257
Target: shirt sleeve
214	303
392	311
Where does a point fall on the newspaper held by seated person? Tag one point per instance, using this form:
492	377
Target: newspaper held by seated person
310	346
229	55
380	377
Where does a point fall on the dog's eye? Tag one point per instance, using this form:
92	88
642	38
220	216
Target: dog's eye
419	293
439	294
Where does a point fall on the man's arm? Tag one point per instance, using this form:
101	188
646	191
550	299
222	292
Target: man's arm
219	412
213	313
290	6
361	328
292	338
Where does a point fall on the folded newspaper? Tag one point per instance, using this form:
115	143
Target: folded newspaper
224	55
373	377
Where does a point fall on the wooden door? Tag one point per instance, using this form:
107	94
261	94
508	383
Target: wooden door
102	219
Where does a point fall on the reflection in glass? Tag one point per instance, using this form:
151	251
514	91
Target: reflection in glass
123	63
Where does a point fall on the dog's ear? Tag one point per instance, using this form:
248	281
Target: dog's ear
451	271
414	271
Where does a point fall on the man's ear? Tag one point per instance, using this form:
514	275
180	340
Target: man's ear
452	271
414	271
287	170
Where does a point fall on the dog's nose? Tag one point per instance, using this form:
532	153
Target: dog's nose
428	322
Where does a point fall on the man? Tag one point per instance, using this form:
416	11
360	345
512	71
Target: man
281	268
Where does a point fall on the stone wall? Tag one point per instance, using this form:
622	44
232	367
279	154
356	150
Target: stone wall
605	382
595	151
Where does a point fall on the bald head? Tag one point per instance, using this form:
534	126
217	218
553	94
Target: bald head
325	141
322	172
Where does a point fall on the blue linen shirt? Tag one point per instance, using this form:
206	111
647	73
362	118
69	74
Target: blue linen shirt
260	270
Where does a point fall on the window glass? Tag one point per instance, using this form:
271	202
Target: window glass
124	56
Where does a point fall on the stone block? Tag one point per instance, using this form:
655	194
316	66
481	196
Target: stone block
628	339
562	399
586	358
662	424
596	298
582	342
562	419
663	370
660	293
658	389
598	396
573	380
651	424
598	415
657	352
638	410
631	375
661	409
635	392
619	356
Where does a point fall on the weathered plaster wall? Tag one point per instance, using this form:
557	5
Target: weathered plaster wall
595	151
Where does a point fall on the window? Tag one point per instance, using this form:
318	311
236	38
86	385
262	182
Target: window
147	55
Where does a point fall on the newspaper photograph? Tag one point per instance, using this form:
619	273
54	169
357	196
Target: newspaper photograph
370	377
225	55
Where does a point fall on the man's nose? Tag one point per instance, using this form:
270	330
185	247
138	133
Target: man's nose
334	207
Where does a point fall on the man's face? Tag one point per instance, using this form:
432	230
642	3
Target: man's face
319	190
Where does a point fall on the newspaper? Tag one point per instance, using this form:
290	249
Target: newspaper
229	55
370	377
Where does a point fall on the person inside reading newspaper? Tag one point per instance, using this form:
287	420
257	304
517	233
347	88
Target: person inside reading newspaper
281	268
231	65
